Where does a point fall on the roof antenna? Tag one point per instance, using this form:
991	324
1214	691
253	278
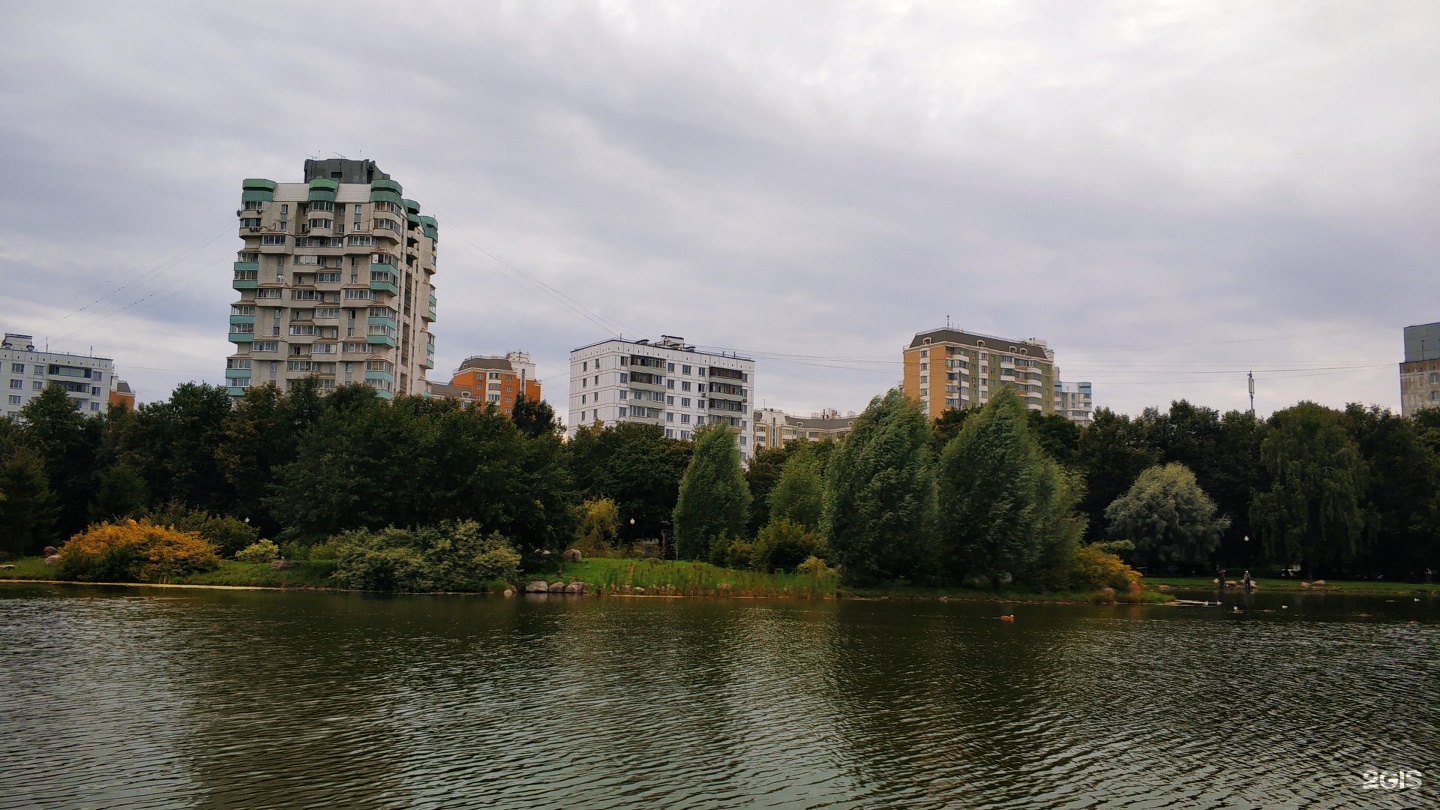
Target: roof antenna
947	321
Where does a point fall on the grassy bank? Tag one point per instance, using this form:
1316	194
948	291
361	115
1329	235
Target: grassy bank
230	572
1146	596
679	578
1357	587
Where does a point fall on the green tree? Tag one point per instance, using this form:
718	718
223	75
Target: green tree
174	443
880	493
535	418
597	523
27	510
1112	453
948	425
799	494
1006	507
1057	436
1311	513
714	500
635	466
1403	499
761	475
67	444
120	494
1168	517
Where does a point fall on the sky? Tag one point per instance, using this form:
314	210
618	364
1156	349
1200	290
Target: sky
1170	194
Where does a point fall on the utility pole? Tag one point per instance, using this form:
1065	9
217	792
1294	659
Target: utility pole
1251	375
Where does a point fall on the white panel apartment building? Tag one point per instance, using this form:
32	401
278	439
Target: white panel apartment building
665	383
25	372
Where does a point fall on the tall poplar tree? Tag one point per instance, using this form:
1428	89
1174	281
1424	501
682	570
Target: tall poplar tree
714	497
880	494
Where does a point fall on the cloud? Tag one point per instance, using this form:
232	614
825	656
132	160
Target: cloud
1170	195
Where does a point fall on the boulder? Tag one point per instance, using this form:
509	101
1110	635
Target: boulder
281	565
52	560
7	567
577	588
1319	583
538	586
573	555
557	587
51	551
1304	584
509	592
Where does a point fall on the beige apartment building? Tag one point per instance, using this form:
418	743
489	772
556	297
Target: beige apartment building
335	280
775	428
949	368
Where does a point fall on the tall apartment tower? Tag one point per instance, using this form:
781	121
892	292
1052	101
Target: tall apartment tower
666	383
948	368
1420	373
335	281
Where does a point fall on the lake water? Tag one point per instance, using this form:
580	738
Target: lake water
121	697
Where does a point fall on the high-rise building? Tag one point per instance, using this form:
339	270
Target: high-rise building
25	372
335	281
1074	401
775	428
1420	373
501	380
667	383
948	368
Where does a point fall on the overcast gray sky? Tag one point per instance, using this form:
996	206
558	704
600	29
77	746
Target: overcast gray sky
1170	194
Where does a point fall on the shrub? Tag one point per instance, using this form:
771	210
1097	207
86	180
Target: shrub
782	545
448	557
261	552
228	534
726	552
814	567
597	522
1094	568
135	551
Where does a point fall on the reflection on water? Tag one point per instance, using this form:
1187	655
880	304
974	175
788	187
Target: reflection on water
146	697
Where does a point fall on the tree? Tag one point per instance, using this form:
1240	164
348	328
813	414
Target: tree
1006	507
27	510
121	494
1168	517
761	475
714	500
1113	451
596	524
173	444
66	443
880	493
799	494
635	466
1057	436
535	418
948	424
1311	512
1403	500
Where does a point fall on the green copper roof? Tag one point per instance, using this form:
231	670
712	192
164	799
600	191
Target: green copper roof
321	182
259	184
412	206
386	185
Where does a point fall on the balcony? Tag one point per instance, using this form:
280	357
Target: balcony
380	375
238	319
384	280
242	337
645	416
384	340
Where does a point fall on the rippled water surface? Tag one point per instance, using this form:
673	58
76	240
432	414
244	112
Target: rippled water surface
149	697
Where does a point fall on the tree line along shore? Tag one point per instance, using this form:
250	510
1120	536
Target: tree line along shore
426	495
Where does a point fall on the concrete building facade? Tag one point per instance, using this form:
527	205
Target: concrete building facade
335	280
774	428
26	371
950	368
666	383
1074	401
493	379
1420	373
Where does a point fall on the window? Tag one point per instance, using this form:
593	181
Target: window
14	399
669	434
624	394
38	385
624	378
272	239
250	222
585	382
94	391
685	370
585	366
684	402
597	379
17	383
1434	376
19	368
94	406
669	417
684	418
700	372
582	399
670	384
669	401
670	367
622	409
39	371
685	386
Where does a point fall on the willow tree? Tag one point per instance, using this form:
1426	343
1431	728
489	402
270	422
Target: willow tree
1312	512
714	499
880	493
1169	518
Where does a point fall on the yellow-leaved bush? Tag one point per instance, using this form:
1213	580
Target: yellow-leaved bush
135	551
1093	568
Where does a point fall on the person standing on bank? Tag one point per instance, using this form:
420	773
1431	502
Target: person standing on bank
1247	581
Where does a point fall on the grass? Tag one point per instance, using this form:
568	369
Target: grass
682	578
230	572
1357	587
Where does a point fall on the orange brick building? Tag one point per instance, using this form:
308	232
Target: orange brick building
500	380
